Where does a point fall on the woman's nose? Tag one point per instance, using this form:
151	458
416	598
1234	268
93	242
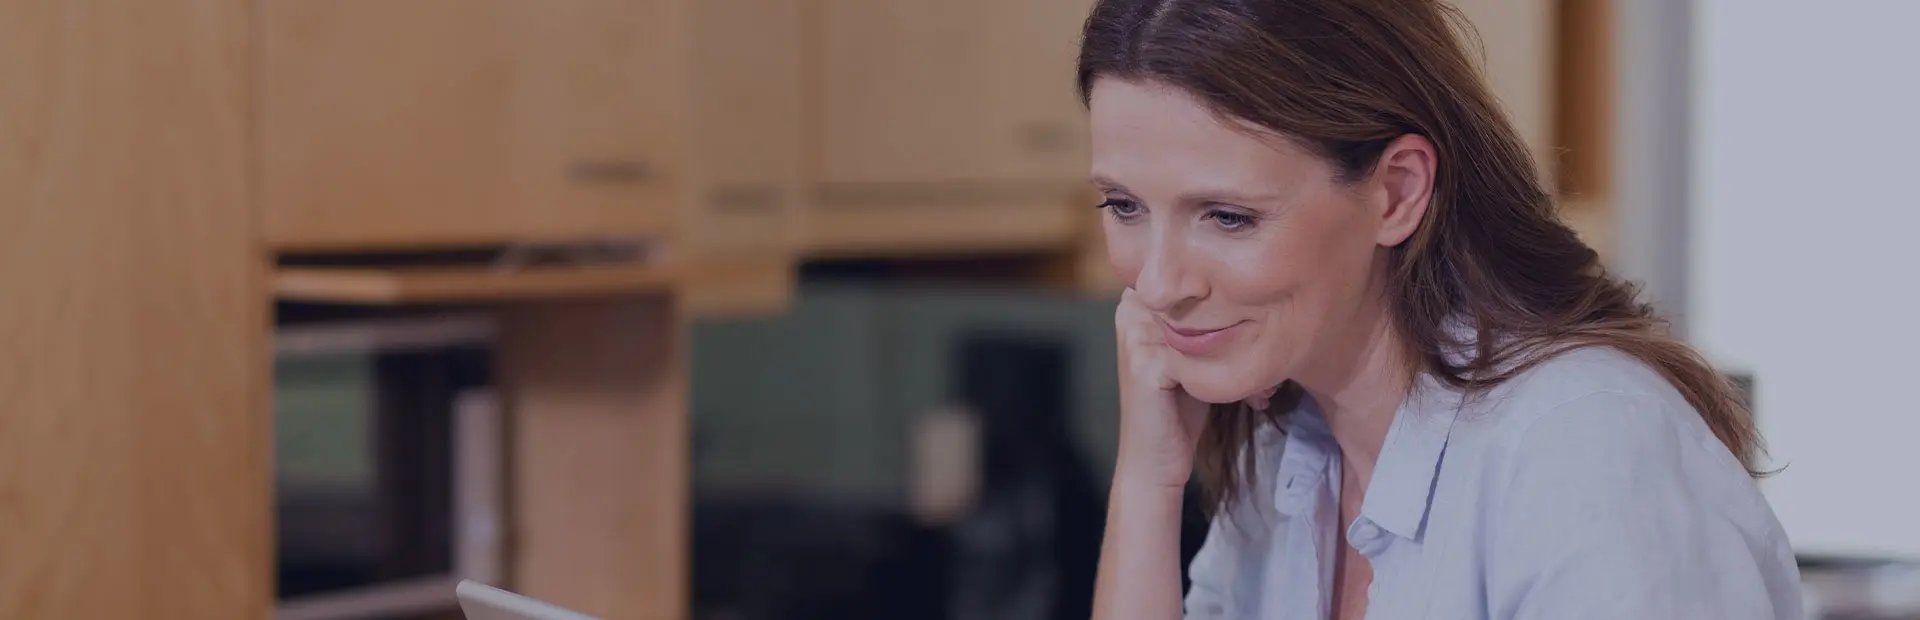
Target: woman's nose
1166	278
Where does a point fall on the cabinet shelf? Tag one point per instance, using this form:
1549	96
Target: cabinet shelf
413	285
914	221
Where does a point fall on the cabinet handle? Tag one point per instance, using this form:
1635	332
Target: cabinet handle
756	200
610	171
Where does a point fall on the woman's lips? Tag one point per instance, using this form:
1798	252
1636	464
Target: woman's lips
1199	342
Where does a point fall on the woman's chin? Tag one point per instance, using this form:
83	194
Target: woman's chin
1220	391
1221	381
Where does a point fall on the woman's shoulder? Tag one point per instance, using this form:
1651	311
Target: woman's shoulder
1585	374
1604	489
1596	427
1596	389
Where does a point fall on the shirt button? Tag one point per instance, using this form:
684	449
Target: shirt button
1363	533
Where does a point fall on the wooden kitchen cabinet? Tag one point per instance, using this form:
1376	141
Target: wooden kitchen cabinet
407	123
436	123
135	468
1584	125
932	91
938	125
744	213
420	124
1550	64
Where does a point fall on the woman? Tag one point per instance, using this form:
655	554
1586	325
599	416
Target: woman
1438	405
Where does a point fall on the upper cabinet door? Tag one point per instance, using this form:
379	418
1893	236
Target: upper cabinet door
388	123
943	90
745	89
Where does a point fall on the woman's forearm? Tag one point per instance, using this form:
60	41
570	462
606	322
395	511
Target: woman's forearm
1140	554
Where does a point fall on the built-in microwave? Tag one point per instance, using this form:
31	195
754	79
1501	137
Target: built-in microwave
388	465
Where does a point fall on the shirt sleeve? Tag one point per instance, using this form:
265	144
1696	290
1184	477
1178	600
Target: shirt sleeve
1617	508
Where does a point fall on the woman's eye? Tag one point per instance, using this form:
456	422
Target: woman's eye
1231	221
1122	209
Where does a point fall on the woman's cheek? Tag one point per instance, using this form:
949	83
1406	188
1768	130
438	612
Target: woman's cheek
1260	278
1123	255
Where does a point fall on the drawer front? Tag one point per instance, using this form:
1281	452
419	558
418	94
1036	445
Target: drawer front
441	122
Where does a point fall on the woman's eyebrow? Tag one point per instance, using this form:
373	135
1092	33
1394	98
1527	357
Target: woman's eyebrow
1202	195
1229	195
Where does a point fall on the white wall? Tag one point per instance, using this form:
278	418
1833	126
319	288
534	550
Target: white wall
1805	252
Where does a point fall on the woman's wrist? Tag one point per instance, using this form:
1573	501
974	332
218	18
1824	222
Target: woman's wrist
1146	486
1152	466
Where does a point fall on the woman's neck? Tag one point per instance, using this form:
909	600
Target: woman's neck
1358	398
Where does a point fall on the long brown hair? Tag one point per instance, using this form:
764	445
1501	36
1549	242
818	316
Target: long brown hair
1345	78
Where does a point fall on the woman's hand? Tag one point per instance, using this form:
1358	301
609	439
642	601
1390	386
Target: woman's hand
1160	423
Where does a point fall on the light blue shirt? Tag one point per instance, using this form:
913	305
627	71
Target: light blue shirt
1584	488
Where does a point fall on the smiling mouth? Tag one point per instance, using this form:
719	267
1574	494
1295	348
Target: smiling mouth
1198	342
1194	333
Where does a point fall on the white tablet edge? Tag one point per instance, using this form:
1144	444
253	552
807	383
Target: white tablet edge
472	592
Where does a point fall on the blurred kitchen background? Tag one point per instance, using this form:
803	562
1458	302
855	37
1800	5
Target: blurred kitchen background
786	309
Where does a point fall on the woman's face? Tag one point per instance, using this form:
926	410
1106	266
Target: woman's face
1259	264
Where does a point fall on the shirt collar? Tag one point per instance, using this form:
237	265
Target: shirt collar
1303	462
1401	490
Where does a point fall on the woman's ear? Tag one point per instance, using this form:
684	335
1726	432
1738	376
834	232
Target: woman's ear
1406	173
